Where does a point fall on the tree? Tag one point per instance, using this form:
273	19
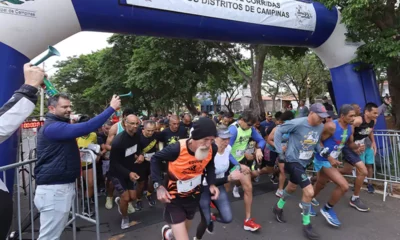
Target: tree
273	79
376	23
293	73
252	69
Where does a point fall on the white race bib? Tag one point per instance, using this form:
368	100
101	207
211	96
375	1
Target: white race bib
360	142
130	151
306	155
147	156
221	175
188	185
239	153
335	154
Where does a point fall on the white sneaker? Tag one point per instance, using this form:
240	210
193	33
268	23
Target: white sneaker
166	233
235	192
109	202
125	223
117	199
131	209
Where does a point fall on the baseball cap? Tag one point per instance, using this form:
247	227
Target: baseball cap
319	109
223	132
269	114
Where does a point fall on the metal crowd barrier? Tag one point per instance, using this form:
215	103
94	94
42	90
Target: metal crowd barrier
28	221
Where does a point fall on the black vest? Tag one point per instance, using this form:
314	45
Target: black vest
58	161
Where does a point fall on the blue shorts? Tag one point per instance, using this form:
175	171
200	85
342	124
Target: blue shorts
350	156
368	156
319	164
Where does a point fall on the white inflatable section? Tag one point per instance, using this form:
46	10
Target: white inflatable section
46	23
337	51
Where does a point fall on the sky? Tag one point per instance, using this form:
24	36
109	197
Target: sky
80	43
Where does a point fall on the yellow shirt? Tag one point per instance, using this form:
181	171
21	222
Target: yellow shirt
84	141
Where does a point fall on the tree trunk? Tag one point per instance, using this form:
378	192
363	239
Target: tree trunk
393	75
273	103
255	82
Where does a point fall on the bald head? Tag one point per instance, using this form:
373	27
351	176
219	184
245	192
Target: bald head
131	124
174	123
187	119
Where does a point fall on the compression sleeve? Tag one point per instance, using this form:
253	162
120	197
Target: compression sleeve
169	154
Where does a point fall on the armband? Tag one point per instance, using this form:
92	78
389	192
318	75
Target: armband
324	152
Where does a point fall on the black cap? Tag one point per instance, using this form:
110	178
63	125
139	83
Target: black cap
204	127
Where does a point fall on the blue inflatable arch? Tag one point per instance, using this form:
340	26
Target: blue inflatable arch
28	27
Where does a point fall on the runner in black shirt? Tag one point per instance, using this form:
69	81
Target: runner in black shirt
125	152
173	133
148	143
187	124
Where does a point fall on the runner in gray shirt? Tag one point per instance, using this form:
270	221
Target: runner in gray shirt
303	142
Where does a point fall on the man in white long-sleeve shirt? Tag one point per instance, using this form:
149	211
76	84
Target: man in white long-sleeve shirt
12	115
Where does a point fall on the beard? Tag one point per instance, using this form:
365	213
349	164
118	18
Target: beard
201	153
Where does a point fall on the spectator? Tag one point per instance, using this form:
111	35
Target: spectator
58	163
303	109
12	115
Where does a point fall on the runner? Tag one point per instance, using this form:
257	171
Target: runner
241	132
105	154
334	137
173	133
186	123
273	155
223	175
363	141
148	142
125	151
187	159
114	131
266	124
303	141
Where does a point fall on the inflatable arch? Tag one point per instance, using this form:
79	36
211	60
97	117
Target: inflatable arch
29	26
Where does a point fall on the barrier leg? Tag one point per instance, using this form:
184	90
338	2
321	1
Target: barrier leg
384	190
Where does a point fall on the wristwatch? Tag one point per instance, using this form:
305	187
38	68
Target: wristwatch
156	185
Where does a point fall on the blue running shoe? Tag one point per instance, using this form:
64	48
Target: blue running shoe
331	217
313	213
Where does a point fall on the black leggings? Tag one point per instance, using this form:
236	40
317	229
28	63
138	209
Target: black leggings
6	212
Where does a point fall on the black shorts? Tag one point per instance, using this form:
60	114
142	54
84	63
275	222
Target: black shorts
143	170
123	185
297	174
89	166
273	156
181	209
350	156
246	162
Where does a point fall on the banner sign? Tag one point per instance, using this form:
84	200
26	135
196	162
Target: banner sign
33	124
278	13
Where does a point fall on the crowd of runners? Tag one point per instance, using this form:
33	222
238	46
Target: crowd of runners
194	164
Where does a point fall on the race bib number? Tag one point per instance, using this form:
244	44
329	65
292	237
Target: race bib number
335	154
221	175
148	156
188	185
239	153
130	151
305	155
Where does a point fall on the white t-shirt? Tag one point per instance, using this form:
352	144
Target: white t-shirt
221	163
3	186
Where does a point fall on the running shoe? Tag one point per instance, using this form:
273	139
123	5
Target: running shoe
138	206
278	214
279	193
131	209
313	213
109	203
370	188
330	217
166	233
314	202
125	223
235	192
274	179
250	225
151	201
359	205
210	228
309	232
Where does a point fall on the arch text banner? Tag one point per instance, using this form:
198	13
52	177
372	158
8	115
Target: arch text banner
278	13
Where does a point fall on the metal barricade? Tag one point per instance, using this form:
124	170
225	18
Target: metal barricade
24	221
